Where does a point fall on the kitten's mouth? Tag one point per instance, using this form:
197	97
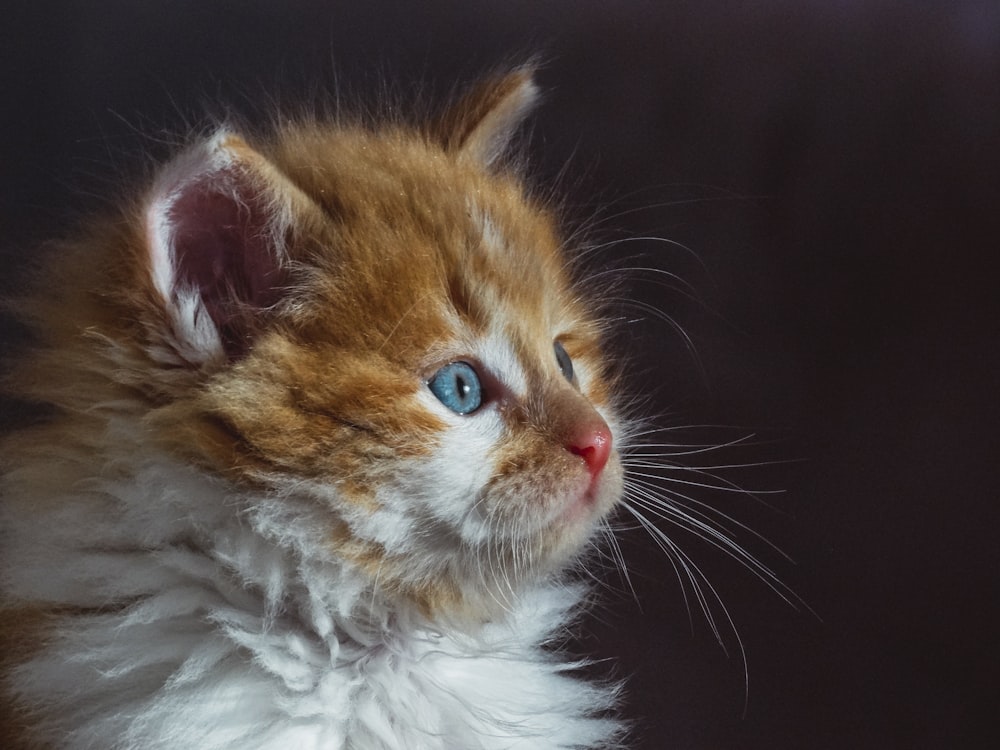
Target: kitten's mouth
579	509
592	502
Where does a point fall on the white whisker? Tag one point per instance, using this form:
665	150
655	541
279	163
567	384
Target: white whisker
698	580
691	448
619	559
687	288
706	485
704	531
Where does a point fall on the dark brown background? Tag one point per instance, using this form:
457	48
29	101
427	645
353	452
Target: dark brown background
836	168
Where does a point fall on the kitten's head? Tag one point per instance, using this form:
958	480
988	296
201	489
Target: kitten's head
382	321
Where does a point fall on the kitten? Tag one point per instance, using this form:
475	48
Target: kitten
330	419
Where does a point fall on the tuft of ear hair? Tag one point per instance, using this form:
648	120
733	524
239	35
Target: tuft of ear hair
217	222
482	123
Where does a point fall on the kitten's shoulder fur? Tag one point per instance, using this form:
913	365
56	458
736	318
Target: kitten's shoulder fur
258	516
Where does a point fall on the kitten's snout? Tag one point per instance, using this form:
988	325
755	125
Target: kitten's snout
580	429
591	441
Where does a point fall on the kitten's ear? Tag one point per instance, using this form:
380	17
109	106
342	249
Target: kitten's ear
483	121
217	223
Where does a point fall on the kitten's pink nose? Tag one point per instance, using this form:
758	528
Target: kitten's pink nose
592	443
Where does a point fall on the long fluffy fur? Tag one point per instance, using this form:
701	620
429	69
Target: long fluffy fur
249	524
239	639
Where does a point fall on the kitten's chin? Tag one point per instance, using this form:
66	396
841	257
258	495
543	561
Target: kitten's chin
580	511
595	499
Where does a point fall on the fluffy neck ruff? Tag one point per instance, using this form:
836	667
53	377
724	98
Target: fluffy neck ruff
194	616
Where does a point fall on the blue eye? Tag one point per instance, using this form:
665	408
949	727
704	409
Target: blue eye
457	386
565	363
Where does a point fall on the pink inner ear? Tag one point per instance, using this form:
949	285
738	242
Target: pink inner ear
223	246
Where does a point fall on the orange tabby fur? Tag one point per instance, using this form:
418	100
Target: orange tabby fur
375	224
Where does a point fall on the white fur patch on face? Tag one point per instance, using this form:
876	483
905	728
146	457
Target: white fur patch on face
463	461
432	498
497	354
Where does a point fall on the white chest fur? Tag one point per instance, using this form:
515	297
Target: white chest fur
232	640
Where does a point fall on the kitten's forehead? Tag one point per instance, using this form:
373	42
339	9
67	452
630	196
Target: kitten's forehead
424	259
531	297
